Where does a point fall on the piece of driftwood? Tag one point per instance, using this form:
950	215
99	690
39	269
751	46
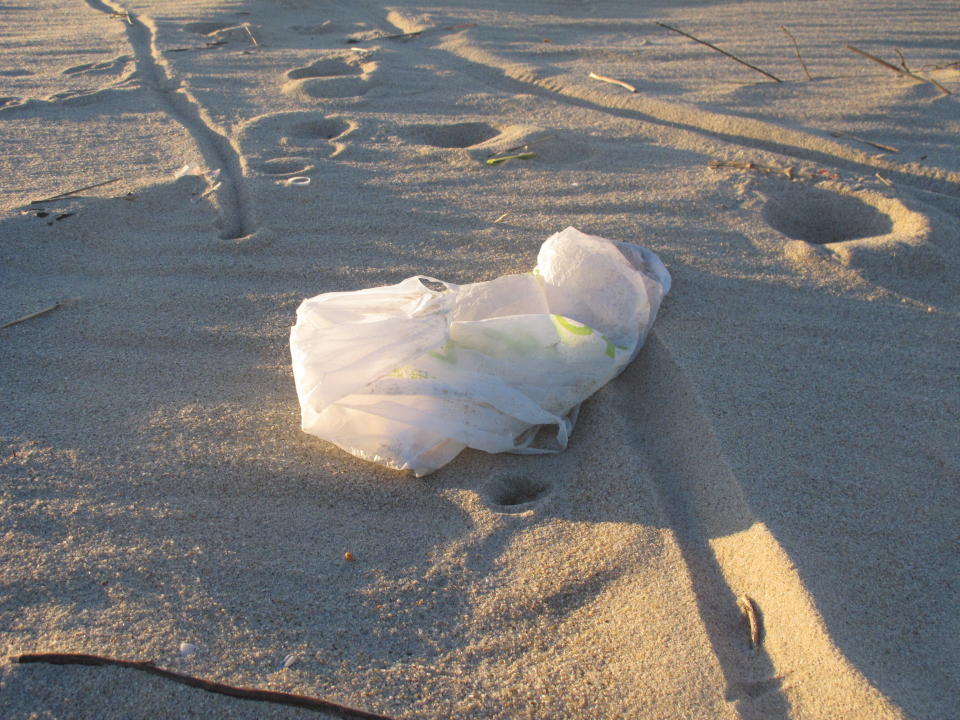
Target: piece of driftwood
244	693
613	81
901	71
722	52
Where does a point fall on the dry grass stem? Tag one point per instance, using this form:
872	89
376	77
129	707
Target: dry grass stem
613	81
879	146
74	192
38	313
749	165
898	70
246	26
796	46
722	52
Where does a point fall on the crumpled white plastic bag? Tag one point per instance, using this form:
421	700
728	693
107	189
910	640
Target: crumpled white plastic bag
408	375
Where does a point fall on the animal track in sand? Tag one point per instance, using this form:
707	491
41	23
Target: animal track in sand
459	135
821	216
516	493
117	63
338	76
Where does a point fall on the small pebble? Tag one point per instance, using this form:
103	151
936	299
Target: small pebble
348	556
187	649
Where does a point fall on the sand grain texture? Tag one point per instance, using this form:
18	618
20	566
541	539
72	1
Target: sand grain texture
789	433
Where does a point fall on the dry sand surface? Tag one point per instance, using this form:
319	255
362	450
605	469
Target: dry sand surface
788	433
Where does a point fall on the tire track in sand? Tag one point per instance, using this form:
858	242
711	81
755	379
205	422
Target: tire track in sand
218	152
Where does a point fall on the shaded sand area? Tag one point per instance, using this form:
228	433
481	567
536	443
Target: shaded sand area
789	432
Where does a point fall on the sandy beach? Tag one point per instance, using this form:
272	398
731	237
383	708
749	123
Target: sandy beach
787	438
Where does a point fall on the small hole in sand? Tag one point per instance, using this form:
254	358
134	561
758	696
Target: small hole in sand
460	135
514	493
821	216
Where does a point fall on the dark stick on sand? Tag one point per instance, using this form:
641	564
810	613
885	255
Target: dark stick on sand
722	52
796	46
282	698
74	192
901	71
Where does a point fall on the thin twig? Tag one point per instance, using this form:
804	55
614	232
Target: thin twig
74	192
903	60
722	52
415	33
401	36
246	26
796	46
281	698
614	81
943	66
901	71
749	611
749	165
38	313
884	180
879	146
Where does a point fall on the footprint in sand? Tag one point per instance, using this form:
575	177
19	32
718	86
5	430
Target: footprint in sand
305	135
116	64
336	76
893	242
221	33
318	132
284	166
458	135
821	216
483	140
